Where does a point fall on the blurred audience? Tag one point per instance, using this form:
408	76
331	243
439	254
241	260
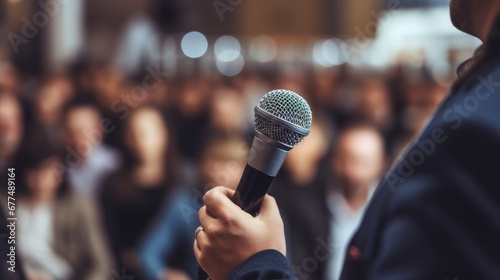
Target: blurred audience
374	103
60	234
166	252
132	197
10	81
358	162
147	145
54	93
88	159
190	116
228	113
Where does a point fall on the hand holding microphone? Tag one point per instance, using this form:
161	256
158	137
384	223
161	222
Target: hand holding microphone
231	235
237	225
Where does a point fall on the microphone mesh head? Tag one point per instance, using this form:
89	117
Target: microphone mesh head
288	107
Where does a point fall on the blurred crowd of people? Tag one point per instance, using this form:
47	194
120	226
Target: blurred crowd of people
111	169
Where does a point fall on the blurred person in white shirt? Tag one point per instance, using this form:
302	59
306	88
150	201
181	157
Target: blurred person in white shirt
358	163
59	233
88	160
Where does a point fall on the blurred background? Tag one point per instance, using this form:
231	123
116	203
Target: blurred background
119	115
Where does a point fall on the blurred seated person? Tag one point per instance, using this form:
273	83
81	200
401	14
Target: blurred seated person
9	78
373	103
59	234
328	85
11	129
166	252
132	197
115	96
228	113
52	96
95	77
299	190
190	117
88	160
358	163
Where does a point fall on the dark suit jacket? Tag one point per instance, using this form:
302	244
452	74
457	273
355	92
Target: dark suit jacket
436	214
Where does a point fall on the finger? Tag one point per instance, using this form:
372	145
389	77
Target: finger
206	219
197	251
218	202
200	241
269	208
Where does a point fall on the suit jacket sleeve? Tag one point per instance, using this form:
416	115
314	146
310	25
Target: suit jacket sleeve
265	265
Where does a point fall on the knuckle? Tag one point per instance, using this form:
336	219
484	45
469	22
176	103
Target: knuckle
215	231
210	229
224	217
218	230
228	219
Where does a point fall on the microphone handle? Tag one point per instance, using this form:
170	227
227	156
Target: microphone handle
251	190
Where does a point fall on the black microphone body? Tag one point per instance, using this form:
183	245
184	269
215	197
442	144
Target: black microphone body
252	189
264	162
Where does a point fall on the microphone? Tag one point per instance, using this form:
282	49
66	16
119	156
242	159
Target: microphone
282	119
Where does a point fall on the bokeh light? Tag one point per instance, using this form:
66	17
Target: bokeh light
227	48
194	44
330	52
230	68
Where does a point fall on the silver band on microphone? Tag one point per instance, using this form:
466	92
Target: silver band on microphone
265	157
